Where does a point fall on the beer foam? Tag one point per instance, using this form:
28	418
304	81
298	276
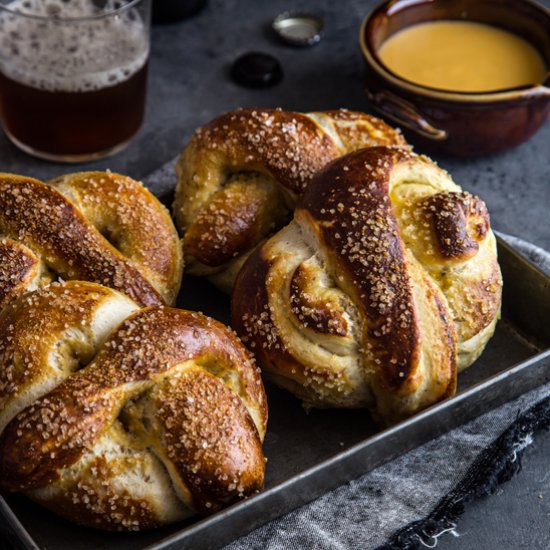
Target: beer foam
71	56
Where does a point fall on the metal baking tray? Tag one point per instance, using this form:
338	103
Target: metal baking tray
312	453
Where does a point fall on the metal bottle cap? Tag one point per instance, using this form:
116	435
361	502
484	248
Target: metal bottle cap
298	28
256	70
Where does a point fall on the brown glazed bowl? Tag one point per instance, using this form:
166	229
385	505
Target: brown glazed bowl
459	123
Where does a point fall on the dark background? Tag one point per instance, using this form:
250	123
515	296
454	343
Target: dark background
189	85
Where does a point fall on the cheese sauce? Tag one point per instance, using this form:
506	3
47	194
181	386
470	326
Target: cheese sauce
462	56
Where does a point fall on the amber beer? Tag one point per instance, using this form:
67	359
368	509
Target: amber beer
73	123
81	98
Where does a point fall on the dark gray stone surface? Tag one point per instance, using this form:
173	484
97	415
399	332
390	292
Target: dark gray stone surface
189	85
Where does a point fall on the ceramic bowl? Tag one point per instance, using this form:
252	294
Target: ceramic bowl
458	123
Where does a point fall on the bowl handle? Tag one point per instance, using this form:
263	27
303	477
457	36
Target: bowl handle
404	113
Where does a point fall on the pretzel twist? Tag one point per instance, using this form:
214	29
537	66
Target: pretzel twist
384	284
125	418
95	226
241	174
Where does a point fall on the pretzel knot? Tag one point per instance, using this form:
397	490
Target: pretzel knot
382	287
125	418
240	176
94	226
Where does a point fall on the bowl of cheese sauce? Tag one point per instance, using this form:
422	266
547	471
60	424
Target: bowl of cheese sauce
465	77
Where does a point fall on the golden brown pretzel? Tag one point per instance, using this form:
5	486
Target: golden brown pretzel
124	418
95	226
240	175
384	284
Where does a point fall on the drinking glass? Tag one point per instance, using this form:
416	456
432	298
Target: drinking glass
73	75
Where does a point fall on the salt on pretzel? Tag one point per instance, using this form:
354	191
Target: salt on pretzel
95	226
382	287
125	418
240	176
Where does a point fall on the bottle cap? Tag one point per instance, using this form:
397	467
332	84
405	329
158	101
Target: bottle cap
298	28
256	70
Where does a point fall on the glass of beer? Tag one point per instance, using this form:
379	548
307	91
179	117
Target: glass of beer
73	75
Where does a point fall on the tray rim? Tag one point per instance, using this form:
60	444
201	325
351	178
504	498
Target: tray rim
180	537
209	523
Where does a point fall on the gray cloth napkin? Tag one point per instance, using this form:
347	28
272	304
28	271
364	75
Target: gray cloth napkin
366	512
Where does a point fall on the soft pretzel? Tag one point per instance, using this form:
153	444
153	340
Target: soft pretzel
240	175
124	418
96	226
384	284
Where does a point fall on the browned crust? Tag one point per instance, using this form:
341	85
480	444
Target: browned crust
200	450
349	208
30	327
407	309
18	267
111	510
55	431
460	221
140	227
345	210
46	222
364	130
287	147
251	318
236	219
311	311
